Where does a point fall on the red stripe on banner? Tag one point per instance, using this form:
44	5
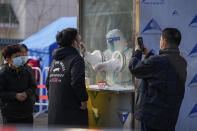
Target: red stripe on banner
43	97
41	86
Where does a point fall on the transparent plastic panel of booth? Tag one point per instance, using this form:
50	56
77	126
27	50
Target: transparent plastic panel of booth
106	30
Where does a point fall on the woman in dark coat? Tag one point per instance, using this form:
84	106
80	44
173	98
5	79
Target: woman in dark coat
66	83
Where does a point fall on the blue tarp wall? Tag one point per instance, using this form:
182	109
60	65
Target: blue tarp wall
42	43
156	15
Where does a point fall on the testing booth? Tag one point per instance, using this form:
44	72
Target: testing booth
108	29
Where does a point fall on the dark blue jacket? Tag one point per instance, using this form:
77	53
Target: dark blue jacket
66	83
161	91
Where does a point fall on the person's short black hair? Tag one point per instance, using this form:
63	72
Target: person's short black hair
9	50
66	37
172	36
24	46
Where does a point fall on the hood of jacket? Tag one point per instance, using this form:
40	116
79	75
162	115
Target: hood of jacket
61	52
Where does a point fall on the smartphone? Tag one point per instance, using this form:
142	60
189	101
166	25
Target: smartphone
140	43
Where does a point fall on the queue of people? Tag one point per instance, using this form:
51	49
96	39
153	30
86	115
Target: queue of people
159	95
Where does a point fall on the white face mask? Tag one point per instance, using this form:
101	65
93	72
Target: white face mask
18	61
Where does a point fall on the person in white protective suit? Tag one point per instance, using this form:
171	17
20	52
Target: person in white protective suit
114	60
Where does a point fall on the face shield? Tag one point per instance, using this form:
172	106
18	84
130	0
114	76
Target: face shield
115	40
112	42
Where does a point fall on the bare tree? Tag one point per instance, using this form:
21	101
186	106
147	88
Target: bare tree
20	7
42	9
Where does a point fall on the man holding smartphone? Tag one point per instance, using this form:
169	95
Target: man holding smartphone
161	91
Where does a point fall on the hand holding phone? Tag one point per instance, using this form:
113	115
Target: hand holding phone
140	43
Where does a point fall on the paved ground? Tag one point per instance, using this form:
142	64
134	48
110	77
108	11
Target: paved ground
40	121
40	124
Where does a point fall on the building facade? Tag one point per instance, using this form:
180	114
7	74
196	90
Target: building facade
20	19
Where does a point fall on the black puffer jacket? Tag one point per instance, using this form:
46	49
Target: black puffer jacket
28	68
66	83
12	82
162	89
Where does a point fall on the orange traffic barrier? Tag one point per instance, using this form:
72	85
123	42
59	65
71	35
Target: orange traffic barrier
41	86
43	97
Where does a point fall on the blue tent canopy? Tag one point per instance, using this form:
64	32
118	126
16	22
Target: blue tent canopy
42	43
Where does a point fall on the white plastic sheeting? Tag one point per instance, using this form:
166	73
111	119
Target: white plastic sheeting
98	18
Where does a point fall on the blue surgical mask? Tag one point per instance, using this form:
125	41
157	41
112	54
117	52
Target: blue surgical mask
17	62
24	59
78	49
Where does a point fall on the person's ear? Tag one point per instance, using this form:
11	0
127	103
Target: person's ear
7	59
165	43
74	44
